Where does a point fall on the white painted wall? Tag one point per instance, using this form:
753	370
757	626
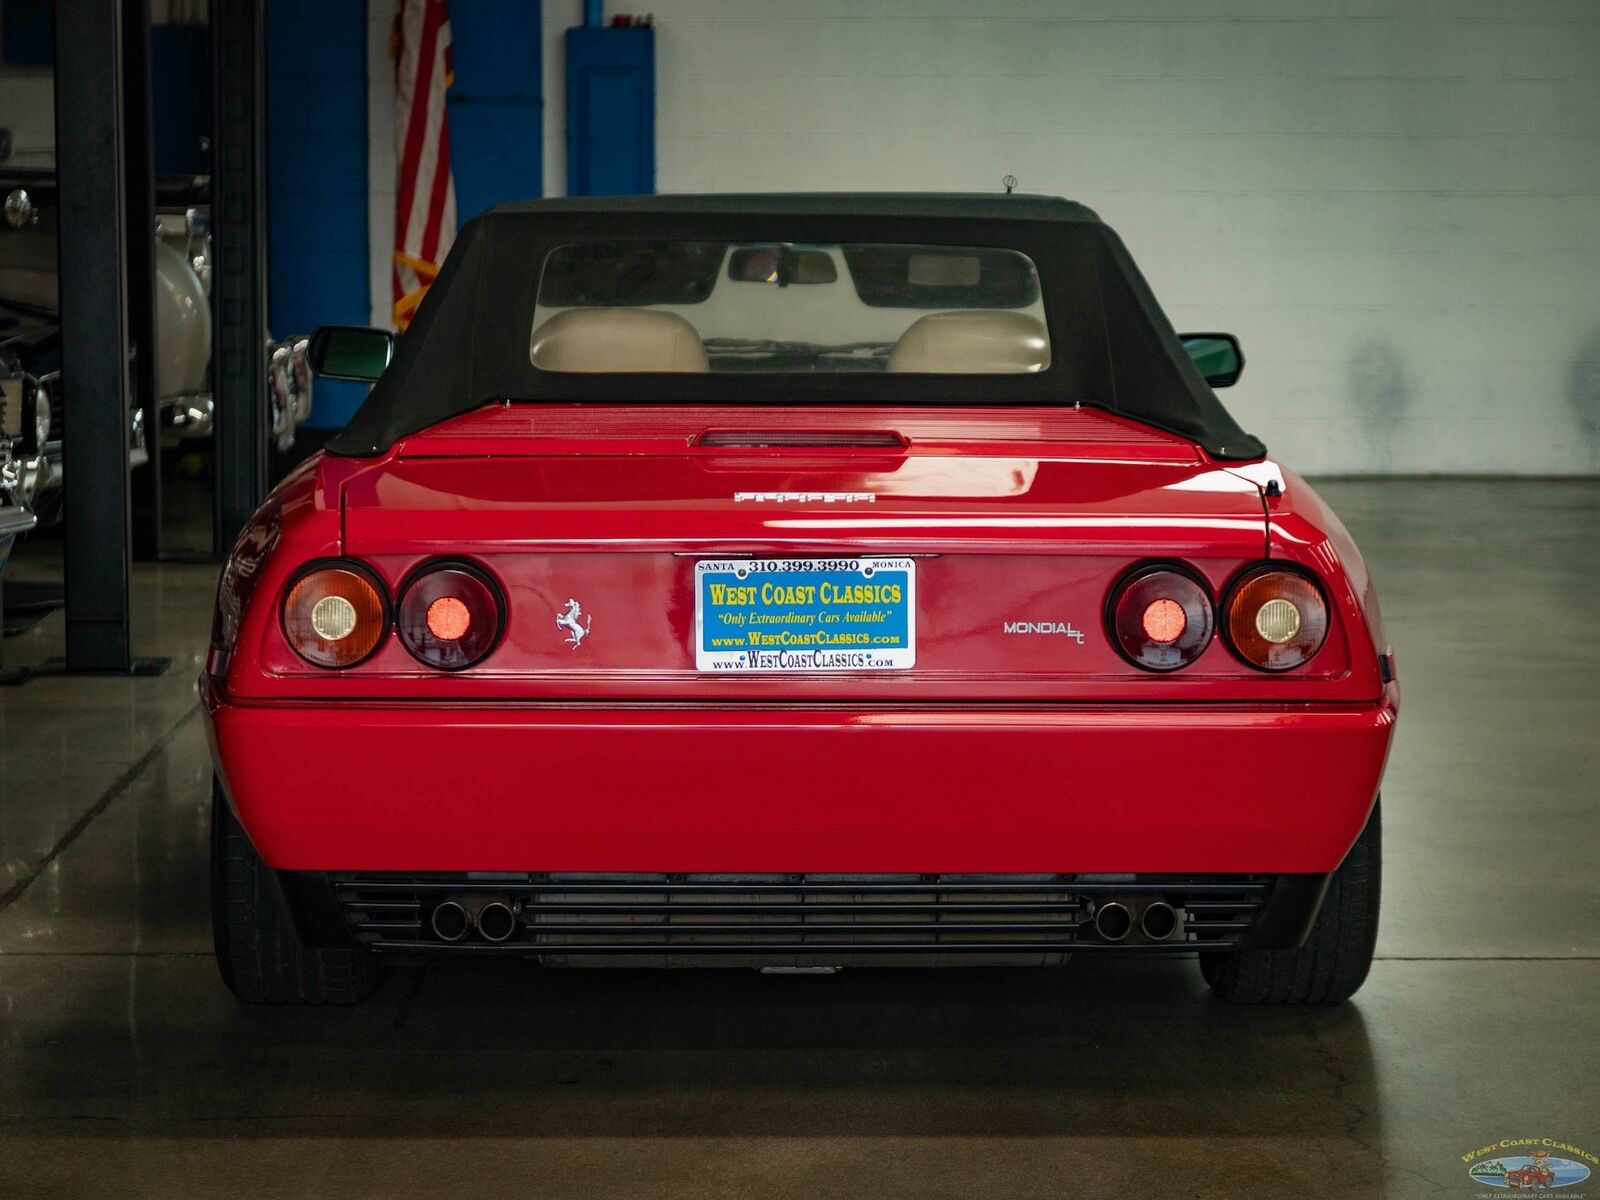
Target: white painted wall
1395	203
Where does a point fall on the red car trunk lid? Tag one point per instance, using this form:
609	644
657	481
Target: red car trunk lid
1018	523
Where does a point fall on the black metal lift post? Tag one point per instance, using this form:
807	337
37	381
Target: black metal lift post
139	186
238	229
94	331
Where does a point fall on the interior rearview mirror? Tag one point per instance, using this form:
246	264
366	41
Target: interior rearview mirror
781	264
1217	355
350	352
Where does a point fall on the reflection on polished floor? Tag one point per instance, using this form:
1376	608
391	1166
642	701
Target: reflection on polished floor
126	1069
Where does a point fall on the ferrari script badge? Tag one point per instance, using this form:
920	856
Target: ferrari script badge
576	622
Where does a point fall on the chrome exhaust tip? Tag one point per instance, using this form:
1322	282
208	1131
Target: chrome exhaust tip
1159	921
496	921
1112	921
450	921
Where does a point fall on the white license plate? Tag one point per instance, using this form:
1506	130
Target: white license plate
805	615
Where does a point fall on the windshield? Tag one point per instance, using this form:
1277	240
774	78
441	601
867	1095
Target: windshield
721	307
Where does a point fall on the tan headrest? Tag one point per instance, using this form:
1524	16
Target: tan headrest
985	342
617	339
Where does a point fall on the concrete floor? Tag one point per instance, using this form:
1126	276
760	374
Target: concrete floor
126	1069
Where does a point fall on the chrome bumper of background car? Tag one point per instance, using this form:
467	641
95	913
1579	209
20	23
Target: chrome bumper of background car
39	473
44	477
186	418
15	515
15	518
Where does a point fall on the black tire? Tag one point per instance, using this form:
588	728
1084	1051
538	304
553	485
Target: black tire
1335	959
260	955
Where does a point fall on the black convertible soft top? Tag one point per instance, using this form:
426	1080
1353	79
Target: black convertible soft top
1112	345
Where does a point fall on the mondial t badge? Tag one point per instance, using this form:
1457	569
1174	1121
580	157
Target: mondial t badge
576	622
1064	628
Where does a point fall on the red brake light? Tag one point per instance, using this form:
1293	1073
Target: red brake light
1164	621
1161	618
449	619
450	616
1277	620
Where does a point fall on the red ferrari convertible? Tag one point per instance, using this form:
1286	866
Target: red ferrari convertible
794	582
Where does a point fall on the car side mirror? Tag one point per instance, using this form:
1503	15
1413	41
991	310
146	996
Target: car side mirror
1217	355
350	352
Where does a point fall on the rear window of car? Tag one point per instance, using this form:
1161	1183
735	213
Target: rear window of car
699	306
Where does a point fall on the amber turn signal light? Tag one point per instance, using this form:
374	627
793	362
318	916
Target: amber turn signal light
1161	618
450	616
335	615
1276	620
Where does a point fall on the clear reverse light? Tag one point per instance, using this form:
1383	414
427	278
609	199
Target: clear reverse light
333	618
1277	620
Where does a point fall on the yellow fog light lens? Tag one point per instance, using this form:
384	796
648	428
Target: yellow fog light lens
335	616
1275	619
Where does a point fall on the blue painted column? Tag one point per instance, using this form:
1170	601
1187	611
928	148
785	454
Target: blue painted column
316	173
496	106
318	253
611	111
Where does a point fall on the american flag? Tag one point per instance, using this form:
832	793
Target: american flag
425	194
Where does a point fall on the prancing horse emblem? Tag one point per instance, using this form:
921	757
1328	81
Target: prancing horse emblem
575	622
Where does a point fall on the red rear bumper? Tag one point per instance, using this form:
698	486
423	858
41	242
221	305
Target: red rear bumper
1153	788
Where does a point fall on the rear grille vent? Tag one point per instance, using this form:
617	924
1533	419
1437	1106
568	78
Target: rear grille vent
743	439
752	915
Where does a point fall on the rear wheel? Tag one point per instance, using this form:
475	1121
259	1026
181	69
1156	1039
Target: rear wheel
259	953
1335	959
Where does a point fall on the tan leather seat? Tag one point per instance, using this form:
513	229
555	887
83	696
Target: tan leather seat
617	339
981	342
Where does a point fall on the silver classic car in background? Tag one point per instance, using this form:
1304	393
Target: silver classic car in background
30	343
15	515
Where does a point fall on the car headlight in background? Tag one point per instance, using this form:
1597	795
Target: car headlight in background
1161	617
1276	619
20	209
335	615
41	416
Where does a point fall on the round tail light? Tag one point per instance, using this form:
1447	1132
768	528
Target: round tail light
450	616
1276	619
335	615
1161	618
